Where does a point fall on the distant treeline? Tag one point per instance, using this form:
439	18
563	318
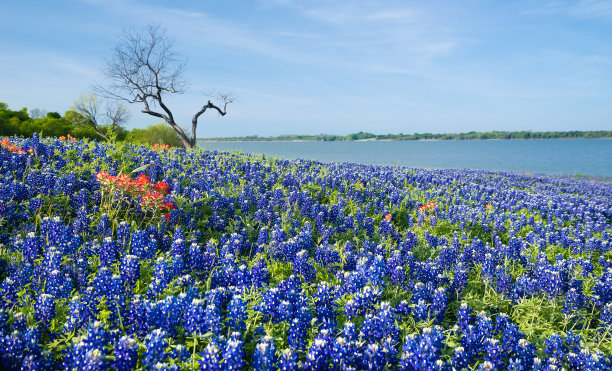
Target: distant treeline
472	135
51	124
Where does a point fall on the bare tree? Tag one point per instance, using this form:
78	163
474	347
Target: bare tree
100	114
37	113
144	68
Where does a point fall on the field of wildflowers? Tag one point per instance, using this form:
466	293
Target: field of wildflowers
123	257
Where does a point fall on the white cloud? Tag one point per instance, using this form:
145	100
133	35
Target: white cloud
583	9
76	67
601	9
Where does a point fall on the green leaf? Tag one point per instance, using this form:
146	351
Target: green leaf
141	168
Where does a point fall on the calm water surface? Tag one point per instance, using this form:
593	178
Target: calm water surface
553	156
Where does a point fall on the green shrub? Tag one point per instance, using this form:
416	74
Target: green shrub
158	133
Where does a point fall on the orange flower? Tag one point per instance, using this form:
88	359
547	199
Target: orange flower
151	196
162	187
429	207
388	217
6	143
160	147
102	176
143	179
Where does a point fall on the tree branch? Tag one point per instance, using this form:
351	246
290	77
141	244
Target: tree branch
143	68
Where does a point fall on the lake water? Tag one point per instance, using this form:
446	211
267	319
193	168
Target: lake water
546	156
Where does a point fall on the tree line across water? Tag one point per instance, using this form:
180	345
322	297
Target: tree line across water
92	119
428	136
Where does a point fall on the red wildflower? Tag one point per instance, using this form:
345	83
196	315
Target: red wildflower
6	143
162	187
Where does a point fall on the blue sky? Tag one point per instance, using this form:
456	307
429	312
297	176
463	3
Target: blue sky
336	67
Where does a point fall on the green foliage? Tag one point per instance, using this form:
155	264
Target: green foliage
159	133
19	123
430	136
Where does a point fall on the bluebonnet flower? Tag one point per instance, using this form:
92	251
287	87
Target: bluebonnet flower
298	328
488	268
395	269
108	252
264	357
438	305
126	353
80	225
45	308
318	356
303	267
326	255
79	314
368	226
233	355
263	236
460	279
325	305
57	284
9	289
178	246
167	313
12	350
381	325
104	227
87	352
483	325
605	318
237	314
242	277
373	269
524	287
213	319
385	227
574	300
143	245
136	316
211	358
259	274
364	301
288	360
194	318
32	247
374	357
123	235
503	280
493	352
344	353
421	352
524	354
155	348
180	353
129	269
194	261
163	275
460	358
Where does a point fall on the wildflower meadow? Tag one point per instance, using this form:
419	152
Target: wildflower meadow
119	256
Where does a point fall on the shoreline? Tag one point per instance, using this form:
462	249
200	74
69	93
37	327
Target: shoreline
379	140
